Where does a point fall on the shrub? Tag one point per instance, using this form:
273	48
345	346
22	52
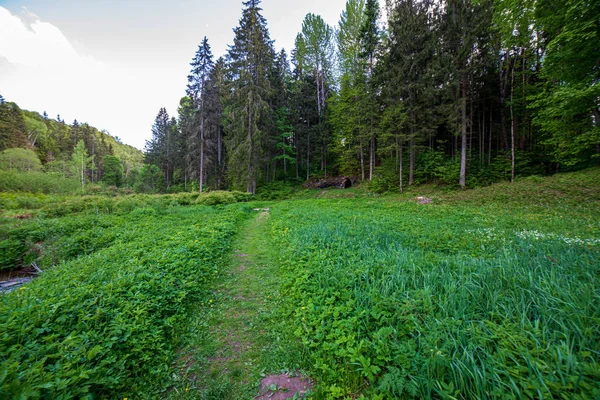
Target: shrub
37	182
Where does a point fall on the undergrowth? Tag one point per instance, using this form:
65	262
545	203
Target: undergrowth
467	297
105	325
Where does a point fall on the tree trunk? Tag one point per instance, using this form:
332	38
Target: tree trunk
512	125
362	163
490	134
502	84
463	151
411	162
249	186
401	165
371	155
219	156
201	164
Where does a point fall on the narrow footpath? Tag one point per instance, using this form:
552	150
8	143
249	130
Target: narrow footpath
238	348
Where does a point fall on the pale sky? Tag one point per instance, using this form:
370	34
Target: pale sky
114	63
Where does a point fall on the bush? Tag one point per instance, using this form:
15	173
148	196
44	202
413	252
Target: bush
275	191
222	197
37	182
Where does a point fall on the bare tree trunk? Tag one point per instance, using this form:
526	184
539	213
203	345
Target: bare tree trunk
512	125
490	145
201	164
482	140
249	186
411	163
362	163
401	165
219	156
308	154
463	152
297	166
371	154
502	83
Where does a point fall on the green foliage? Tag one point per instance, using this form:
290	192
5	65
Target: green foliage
13	132
37	182
106	324
113	171
276	191
11	251
149	179
222	197
19	160
487	298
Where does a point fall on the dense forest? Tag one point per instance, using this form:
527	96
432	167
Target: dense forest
30	142
453	92
448	92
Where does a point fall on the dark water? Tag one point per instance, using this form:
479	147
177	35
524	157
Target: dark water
12	280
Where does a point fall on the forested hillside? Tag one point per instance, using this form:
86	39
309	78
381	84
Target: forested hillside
52	146
454	92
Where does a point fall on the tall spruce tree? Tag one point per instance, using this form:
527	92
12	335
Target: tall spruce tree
202	65
158	150
215	101
250	60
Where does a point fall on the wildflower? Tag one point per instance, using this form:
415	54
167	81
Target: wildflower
187	389
304	308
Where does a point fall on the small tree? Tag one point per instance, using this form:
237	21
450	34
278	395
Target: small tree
148	179
113	171
80	161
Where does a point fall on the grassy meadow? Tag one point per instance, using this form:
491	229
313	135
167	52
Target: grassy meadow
493	293
486	293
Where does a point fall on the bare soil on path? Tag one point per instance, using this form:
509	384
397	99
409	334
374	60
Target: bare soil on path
239	348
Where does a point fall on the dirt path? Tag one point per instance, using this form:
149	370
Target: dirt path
245	346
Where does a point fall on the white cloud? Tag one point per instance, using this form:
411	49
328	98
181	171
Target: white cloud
41	71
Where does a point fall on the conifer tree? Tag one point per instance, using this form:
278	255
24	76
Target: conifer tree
250	60
369	40
197	82
159	148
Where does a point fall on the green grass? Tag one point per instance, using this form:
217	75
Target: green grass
474	296
486	293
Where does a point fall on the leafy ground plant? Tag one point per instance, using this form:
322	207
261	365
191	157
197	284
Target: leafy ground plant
453	299
105	324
